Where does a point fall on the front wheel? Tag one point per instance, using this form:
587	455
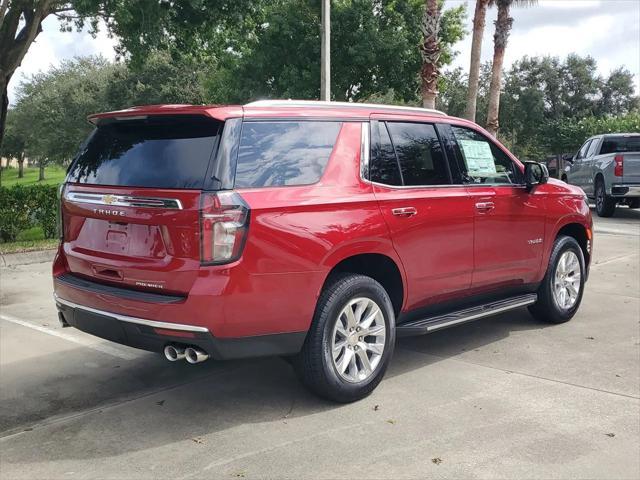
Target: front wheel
560	293
350	341
605	205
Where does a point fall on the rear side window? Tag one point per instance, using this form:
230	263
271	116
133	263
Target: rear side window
283	153
419	154
620	145
384	166
159	152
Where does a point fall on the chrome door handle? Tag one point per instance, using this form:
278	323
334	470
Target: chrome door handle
485	206
404	211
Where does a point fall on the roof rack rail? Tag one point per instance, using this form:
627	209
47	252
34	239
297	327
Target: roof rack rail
325	104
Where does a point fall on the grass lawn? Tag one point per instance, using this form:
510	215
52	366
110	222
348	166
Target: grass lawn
29	240
28	245
53	175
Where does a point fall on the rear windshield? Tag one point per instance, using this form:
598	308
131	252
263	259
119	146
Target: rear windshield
160	152
620	144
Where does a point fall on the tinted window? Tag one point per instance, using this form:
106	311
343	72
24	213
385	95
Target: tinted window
620	144
384	165
583	150
482	161
158	152
419	153
592	148
284	153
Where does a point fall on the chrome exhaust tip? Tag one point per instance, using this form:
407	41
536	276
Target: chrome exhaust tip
173	353
195	355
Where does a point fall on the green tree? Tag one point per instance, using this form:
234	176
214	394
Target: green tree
136	23
14	144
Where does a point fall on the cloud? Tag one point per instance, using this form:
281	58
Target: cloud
53	46
607	30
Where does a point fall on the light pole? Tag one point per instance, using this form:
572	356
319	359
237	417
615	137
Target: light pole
325	52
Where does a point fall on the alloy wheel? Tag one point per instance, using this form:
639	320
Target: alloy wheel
358	339
566	281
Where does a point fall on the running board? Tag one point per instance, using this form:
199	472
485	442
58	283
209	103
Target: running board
430	324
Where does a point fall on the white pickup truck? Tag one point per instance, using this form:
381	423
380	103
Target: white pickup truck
607	168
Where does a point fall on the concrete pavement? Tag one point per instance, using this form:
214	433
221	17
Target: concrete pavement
504	397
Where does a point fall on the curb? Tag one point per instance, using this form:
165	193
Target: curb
26	258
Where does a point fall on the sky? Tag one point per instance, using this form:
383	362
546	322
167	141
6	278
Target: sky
608	30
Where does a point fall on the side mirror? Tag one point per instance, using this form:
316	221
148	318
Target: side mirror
535	174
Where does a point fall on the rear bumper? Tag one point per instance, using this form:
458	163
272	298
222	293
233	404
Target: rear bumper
153	335
625	190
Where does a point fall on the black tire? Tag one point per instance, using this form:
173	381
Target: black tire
605	205
634	203
547	308
315	366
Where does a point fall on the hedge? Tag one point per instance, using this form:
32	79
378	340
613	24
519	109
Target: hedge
22	207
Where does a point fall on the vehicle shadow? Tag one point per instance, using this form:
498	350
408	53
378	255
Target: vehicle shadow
178	402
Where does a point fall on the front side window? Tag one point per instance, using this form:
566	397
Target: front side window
481	161
279	153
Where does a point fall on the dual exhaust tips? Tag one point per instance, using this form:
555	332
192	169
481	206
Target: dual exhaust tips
193	355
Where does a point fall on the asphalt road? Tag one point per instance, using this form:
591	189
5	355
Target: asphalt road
504	397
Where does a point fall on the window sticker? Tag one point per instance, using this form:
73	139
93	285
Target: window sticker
478	157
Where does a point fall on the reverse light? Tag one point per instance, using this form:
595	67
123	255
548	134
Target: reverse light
618	170
224	221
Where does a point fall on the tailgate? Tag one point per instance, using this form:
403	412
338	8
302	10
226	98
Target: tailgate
631	168
142	239
130	207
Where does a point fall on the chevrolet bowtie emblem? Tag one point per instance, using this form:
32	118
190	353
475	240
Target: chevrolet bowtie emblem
108	199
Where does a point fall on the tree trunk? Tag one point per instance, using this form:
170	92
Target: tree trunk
21	166
430	50
4	102
20	25
476	51
41	170
503	27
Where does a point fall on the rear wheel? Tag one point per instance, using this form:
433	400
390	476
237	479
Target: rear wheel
350	341
605	205
560	293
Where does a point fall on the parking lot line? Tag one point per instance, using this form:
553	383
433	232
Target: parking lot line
109	350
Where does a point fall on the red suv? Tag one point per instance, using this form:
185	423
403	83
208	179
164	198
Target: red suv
316	231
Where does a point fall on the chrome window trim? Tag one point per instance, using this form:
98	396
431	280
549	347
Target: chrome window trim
128	319
123	200
365	151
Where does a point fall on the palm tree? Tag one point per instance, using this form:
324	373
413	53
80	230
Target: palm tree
500	37
430	50
476	49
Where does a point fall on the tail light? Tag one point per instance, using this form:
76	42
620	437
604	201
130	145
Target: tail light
59	220
224	221
618	170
